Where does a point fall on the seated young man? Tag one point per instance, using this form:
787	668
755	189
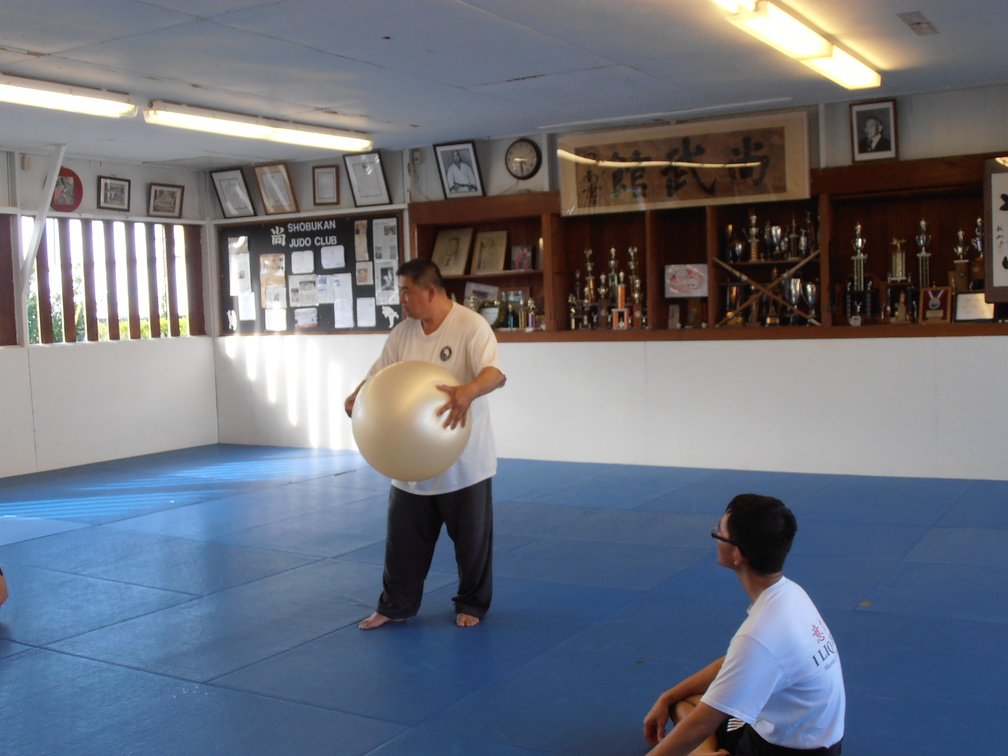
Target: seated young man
779	690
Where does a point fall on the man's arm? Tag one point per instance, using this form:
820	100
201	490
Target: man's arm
698	725
461	397
348	403
694	685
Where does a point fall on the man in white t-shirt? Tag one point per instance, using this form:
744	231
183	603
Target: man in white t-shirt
779	690
438	330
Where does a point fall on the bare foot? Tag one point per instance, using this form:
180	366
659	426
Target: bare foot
376	620
466	620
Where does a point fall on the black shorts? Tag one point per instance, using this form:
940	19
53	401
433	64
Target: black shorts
740	739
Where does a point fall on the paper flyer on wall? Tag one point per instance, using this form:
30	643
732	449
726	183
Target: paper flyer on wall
272	275
385	232
360	240
302	261
333	257
303	291
366	312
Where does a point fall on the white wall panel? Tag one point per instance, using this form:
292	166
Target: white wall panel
17	432
109	400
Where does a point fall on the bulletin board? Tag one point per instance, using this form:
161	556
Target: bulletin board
311	275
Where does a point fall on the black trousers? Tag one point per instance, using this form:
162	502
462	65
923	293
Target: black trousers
414	524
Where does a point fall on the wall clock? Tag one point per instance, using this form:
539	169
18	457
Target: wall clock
523	158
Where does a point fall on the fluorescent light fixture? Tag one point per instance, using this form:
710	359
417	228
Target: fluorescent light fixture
45	94
844	69
781	31
734	6
251	127
776	27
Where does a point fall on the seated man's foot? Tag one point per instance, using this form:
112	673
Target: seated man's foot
466	620
376	620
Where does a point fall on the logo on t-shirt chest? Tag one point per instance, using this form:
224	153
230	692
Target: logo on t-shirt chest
446	353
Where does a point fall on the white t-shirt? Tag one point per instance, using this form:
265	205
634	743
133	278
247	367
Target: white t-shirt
782	672
464	344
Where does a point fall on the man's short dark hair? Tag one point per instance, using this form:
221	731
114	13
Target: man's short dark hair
423	272
763	529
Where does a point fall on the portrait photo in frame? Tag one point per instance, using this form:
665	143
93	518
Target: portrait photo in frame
489	252
367	179
165	200
873	130
325	184
935	304
275	188
451	250
459	169
233	193
113	193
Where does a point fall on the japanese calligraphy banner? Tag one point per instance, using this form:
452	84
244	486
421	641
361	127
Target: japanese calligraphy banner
728	161
996	223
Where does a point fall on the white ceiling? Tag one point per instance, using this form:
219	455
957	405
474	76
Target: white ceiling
416	72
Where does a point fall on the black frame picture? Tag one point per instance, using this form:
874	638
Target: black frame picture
459	169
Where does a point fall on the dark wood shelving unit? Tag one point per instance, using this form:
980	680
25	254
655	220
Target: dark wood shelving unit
888	200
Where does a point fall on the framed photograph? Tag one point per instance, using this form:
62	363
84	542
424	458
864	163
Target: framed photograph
367	179
522	257
451	250
275	188
936	304
686	280
459	169
233	193
113	193
873	130
165	200
325	184
972	306
68	192
489	252
515	296
480	291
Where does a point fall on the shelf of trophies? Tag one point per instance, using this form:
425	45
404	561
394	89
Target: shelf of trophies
766	267
599	274
494	253
907	258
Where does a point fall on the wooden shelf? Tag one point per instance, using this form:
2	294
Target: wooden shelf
888	199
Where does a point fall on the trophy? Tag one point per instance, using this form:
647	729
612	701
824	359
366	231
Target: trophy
734	247
792	293
603	301
636	292
977	271
810	292
923	257
735	295
572	312
773	236
899	293
959	277
531	315
754	253
613	277
794	240
589	278
859	295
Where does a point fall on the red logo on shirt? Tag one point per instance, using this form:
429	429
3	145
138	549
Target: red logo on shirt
819	635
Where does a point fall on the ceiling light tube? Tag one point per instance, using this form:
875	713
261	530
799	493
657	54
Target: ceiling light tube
251	127
769	24
74	99
844	69
734	6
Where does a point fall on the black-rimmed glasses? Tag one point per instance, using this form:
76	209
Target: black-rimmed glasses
716	535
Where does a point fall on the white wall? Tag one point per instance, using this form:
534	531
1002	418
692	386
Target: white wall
904	407
72	404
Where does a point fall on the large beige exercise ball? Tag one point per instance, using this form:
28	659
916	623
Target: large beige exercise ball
396	425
